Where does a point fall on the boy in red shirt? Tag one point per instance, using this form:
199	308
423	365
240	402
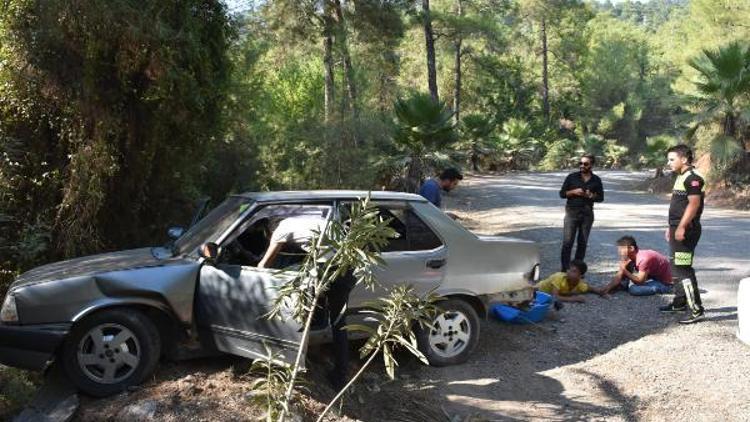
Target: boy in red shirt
642	272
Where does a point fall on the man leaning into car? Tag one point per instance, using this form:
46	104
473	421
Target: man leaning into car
297	232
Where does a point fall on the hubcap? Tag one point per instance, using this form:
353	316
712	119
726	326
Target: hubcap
450	334
108	353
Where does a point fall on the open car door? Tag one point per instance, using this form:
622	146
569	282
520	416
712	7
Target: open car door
232	309
234	297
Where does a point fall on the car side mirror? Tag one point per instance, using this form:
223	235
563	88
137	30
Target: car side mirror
209	251
175	233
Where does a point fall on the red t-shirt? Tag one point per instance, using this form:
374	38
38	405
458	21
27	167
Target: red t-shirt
655	264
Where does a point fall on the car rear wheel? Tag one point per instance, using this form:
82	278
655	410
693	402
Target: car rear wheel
111	351
453	335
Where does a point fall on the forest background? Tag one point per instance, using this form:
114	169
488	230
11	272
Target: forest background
117	117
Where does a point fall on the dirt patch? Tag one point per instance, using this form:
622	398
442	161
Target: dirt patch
735	197
657	184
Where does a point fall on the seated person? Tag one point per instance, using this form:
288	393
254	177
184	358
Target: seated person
642	272
567	286
295	232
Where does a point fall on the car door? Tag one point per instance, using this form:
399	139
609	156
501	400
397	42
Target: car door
417	257
234	300
233	304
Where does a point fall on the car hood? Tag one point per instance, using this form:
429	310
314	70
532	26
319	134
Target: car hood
89	265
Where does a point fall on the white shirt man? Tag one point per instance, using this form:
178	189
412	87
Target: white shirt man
296	230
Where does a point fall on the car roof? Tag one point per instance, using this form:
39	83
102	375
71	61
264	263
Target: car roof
311	195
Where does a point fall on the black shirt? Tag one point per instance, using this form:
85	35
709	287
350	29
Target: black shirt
574	181
687	183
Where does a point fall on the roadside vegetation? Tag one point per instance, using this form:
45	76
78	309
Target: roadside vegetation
116	117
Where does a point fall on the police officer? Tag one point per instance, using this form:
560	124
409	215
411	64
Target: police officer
684	231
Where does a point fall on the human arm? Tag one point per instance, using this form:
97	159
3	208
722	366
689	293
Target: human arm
271	253
561	298
601	291
694	202
638	278
567	190
597	193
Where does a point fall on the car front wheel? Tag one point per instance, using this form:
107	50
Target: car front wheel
111	351
453	335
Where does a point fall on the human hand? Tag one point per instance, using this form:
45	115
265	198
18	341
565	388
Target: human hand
624	265
577	192
679	234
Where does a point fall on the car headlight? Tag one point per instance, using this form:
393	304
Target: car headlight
9	312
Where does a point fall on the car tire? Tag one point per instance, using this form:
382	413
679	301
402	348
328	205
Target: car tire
110	351
453	336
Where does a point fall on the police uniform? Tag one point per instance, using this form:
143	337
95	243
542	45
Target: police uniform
682	252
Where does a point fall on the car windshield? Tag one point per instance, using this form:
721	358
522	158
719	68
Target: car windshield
212	225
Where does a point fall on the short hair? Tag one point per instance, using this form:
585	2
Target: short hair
627	241
451	174
578	263
591	157
683	151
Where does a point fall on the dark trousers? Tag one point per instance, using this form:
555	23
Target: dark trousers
332	311
576	228
682	252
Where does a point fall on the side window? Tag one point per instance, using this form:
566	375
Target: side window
421	237
414	234
247	246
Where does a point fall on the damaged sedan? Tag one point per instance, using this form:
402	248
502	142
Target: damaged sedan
108	319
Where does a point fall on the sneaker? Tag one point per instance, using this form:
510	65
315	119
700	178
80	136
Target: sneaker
693	318
672	308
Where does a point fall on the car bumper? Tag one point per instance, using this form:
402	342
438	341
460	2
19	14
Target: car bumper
30	346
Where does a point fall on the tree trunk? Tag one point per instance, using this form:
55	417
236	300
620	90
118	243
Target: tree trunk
351	83
545	70
328	65
457	70
430	45
343	43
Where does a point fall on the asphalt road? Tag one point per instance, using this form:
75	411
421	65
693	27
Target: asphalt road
616	359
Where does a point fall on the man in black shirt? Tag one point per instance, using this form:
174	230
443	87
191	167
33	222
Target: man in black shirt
684	231
581	189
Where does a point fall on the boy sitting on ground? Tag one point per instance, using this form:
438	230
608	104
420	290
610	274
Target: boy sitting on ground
567	286
642	272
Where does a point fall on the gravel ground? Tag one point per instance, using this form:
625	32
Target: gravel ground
606	359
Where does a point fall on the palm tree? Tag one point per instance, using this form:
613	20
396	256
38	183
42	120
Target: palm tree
424	128
475	132
518	144
722	91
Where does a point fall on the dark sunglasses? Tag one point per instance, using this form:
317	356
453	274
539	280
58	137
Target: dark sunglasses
584	163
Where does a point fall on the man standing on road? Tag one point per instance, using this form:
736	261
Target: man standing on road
581	189
447	181
684	231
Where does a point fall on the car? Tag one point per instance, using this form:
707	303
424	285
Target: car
109	318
